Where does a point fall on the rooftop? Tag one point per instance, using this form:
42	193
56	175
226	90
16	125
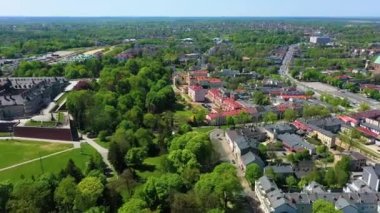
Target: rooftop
252	158
294	141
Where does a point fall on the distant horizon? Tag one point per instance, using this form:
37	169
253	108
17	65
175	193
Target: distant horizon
337	17
187	8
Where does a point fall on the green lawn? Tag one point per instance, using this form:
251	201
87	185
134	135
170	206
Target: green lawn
207	129
16	151
154	165
53	164
5	134
182	117
104	144
41	123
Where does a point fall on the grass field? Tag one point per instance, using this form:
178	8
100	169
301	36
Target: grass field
182	117
16	151
53	164
152	166
103	144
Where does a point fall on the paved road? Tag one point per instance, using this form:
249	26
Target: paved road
221	146
36	159
320	88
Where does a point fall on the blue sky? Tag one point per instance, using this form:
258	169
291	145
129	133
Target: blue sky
330	8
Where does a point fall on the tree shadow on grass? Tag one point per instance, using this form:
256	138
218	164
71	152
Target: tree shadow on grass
146	168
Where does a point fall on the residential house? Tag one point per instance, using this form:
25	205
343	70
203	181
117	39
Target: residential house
277	129
326	137
294	143
371	176
244	146
281	170
249	158
325	129
273	199
303	168
358	161
197	93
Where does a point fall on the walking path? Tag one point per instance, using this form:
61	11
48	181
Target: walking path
36	159
101	150
75	144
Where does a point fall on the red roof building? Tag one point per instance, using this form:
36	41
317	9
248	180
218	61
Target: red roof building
288	96
215	96
197	93
348	120
301	125
370	86
230	104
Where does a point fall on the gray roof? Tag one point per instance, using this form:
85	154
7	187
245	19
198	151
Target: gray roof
249	158
295	142
17	91
342	203
322	131
246	138
314	187
357	156
267	184
359	186
374	170
284	169
371	126
307	198
280	128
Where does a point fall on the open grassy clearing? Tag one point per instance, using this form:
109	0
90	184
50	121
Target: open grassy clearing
52	164
152	167
18	151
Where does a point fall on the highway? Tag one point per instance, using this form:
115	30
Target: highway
320	88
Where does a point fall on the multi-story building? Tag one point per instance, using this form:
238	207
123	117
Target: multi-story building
274	200
371	176
21	97
323	40
294	143
358	161
197	93
244	148
271	198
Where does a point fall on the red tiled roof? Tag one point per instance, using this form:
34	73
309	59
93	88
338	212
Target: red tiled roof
196	87
367	132
295	96
347	119
301	125
215	92
343	77
367	114
370	86
232	103
215	80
